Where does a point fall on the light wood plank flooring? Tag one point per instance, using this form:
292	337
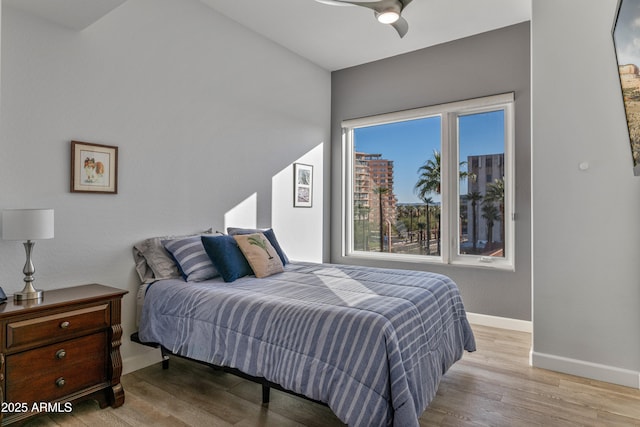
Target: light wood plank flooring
494	386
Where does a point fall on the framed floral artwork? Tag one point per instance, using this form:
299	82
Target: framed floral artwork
94	168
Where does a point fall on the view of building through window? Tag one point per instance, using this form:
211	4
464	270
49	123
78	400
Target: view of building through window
482	173
397	182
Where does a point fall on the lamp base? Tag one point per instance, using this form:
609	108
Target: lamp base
28	295
28	292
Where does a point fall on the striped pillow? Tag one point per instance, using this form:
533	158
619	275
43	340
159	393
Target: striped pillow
191	258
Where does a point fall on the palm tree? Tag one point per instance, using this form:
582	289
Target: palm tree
495	194
380	191
429	176
411	213
429	179
428	201
475	197
421	226
491	214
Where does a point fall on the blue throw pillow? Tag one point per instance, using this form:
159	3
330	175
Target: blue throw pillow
226	257
268	233
191	257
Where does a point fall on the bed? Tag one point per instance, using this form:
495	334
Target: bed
371	343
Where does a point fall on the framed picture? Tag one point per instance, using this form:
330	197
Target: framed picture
94	168
626	34
302	185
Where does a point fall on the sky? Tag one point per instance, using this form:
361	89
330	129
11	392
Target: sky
627	33
410	144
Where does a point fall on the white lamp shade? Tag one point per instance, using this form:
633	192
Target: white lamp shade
27	224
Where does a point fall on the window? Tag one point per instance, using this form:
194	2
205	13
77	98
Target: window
433	184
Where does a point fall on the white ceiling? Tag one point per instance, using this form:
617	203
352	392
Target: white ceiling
330	36
73	14
340	37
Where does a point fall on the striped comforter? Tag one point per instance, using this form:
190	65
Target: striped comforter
371	343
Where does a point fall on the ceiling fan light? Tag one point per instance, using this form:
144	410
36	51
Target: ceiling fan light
388	17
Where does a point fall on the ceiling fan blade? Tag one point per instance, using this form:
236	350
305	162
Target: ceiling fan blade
367	4
401	26
378	7
334	3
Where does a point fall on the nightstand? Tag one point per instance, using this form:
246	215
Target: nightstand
60	350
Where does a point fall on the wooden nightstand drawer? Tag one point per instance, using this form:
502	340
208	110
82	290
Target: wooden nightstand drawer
50	372
34	331
64	348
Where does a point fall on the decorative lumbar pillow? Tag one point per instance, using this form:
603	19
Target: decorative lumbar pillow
268	233
191	258
227	257
260	254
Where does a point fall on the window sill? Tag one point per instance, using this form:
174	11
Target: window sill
465	262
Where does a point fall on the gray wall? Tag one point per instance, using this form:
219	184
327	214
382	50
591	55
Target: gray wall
586	243
486	64
208	118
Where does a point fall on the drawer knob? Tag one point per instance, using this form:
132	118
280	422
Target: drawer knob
60	382
60	354
64	325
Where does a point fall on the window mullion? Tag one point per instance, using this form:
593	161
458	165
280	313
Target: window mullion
509	183
447	186
347	179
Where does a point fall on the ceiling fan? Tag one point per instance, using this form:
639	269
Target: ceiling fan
385	11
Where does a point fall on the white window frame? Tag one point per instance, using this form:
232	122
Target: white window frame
450	214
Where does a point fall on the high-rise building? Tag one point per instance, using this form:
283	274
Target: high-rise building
483	170
372	173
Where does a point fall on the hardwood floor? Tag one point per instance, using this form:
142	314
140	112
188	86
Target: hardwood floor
495	386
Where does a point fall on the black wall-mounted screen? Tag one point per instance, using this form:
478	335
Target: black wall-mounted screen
626	39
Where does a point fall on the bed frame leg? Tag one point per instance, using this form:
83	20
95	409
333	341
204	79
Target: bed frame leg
165	358
266	391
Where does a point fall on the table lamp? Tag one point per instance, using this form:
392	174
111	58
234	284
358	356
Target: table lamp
29	225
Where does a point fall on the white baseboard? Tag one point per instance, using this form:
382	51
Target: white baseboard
500	322
581	368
